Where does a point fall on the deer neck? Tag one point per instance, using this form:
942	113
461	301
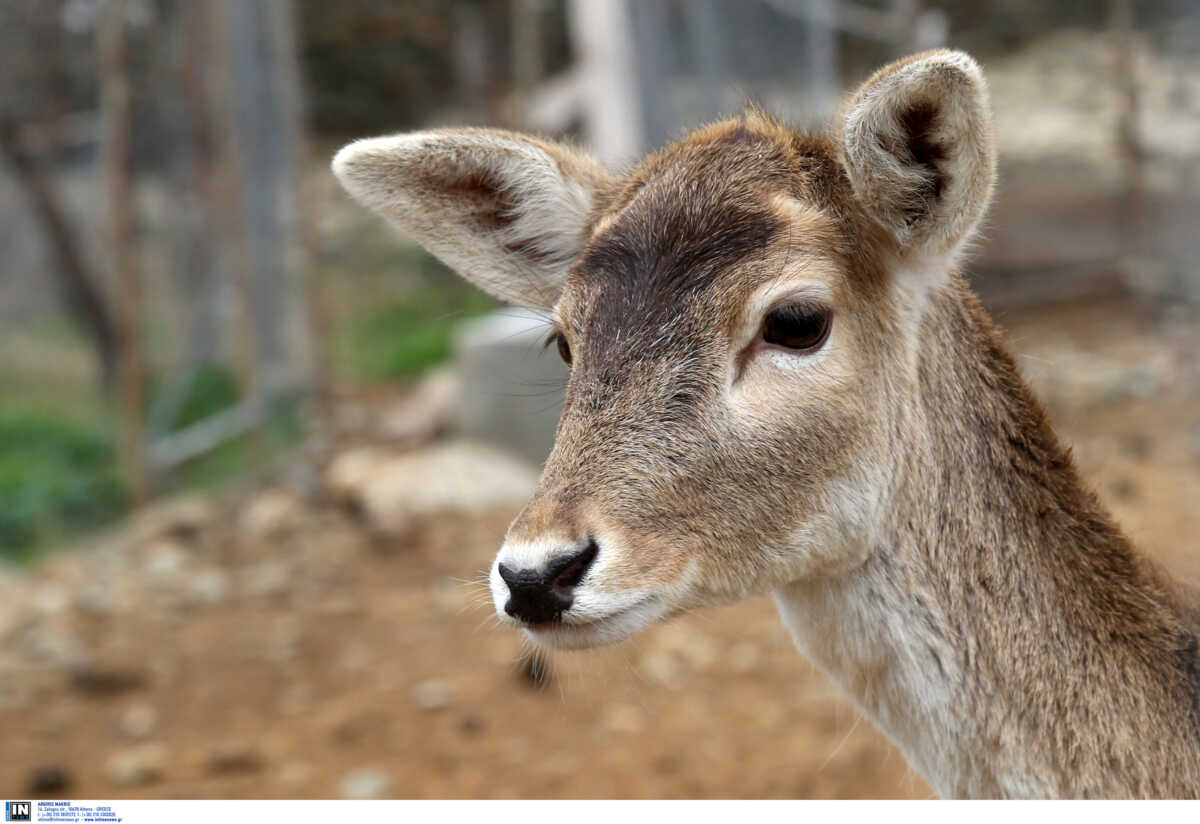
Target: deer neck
1001	631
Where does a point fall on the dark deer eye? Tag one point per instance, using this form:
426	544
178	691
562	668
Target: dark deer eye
800	326
564	348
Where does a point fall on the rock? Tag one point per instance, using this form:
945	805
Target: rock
457	476
364	784
270	515
143	764
425	413
432	695
48	779
512	386
138	721
351	470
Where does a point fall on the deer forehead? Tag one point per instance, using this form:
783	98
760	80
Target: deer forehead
697	233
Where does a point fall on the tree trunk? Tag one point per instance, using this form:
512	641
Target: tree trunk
77	280
122	243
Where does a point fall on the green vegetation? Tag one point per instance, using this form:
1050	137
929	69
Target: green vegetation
58	477
210	388
400	305
60	474
59	469
402	337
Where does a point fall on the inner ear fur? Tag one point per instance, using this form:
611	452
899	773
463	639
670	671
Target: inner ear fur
506	211
919	150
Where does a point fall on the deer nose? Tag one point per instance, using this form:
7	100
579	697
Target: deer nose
537	596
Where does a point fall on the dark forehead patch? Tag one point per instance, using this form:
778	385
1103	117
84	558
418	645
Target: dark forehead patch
696	213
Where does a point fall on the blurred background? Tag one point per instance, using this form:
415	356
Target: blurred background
257	450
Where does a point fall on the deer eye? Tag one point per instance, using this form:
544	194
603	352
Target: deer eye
564	348
803	327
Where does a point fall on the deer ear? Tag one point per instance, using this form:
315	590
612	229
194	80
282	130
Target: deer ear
919	150
506	211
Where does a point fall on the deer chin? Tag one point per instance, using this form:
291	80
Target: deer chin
588	627
595	621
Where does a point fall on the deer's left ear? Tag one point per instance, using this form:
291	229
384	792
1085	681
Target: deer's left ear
919	151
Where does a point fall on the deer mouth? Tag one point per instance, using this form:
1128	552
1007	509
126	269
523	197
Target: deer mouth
594	631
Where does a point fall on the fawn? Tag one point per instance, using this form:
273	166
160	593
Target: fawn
781	383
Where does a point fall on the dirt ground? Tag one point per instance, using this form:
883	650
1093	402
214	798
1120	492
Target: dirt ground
371	667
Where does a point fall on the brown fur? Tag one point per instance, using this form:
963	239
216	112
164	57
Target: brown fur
928	539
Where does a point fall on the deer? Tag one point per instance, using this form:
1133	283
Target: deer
781	383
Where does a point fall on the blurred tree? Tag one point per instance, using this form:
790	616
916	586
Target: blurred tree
46	76
117	109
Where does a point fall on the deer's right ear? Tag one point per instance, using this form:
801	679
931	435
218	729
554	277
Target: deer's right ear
507	212
919	150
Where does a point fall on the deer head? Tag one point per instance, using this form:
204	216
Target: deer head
742	315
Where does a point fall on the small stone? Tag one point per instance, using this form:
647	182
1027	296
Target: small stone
210	587
138	721
700	652
181	519
56	648
95	598
662	669
364	784
227	762
143	764
432	695
624	718
48	779
165	559
100	681
271	515
50	599
267	579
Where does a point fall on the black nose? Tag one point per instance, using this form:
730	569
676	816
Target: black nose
537	596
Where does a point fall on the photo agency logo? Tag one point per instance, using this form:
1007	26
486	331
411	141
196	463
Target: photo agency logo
18	810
